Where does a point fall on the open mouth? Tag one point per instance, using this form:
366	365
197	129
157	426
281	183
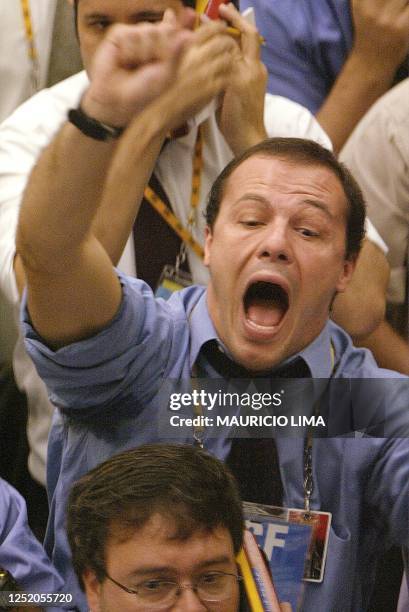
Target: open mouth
265	303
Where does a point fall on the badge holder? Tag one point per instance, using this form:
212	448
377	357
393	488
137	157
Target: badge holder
312	543
172	280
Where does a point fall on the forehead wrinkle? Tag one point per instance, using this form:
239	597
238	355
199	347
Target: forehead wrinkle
315	203
254	197
135	16
284	174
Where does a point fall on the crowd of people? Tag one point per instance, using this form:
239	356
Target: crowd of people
206	200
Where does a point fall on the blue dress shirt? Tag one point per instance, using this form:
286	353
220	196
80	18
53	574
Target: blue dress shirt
20	552
306	45
109	391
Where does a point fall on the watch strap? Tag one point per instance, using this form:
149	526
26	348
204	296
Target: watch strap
92	127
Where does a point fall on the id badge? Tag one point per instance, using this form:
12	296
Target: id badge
171	281
320	523
295	542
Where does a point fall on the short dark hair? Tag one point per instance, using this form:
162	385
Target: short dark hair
307	152
184	483
191	3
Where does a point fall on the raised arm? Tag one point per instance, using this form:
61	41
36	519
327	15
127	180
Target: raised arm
73	291
74	167
241	114
381	43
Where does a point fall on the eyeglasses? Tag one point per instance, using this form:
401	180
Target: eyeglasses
158	594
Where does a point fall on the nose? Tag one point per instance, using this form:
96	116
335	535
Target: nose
275	243
188	601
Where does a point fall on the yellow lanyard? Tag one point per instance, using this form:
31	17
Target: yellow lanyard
184	233
31	46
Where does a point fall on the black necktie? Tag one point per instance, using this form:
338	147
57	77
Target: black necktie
156	244
227	368
253	461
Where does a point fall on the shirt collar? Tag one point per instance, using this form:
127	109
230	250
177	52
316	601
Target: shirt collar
317	355
201	328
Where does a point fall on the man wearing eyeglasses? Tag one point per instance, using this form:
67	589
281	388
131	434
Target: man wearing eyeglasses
158	528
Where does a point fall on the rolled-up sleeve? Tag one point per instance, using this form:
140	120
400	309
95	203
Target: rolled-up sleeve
124	359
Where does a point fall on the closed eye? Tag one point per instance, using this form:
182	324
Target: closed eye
99	24
251	223
148	17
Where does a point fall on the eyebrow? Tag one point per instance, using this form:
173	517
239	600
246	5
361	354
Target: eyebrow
319	204
162	569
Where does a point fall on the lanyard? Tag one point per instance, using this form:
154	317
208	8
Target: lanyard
31	46
308	482
185	233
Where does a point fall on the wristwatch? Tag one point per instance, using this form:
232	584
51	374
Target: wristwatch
92	127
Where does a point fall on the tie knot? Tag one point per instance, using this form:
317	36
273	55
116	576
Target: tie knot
227	368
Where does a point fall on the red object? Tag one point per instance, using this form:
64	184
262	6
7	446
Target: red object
212	10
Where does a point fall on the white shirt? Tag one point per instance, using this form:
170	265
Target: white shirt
30	129
15	64
16	85
377	152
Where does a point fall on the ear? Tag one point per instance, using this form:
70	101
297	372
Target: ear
208	245
346	274
92	590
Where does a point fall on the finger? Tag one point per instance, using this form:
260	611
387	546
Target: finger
169	18
150	80
208	30
180	41
139	44
250	38
134	44
203	56
178	35
206	65
187	18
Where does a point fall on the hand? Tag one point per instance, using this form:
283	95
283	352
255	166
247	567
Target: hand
133	65
381	33
241	115
203	74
